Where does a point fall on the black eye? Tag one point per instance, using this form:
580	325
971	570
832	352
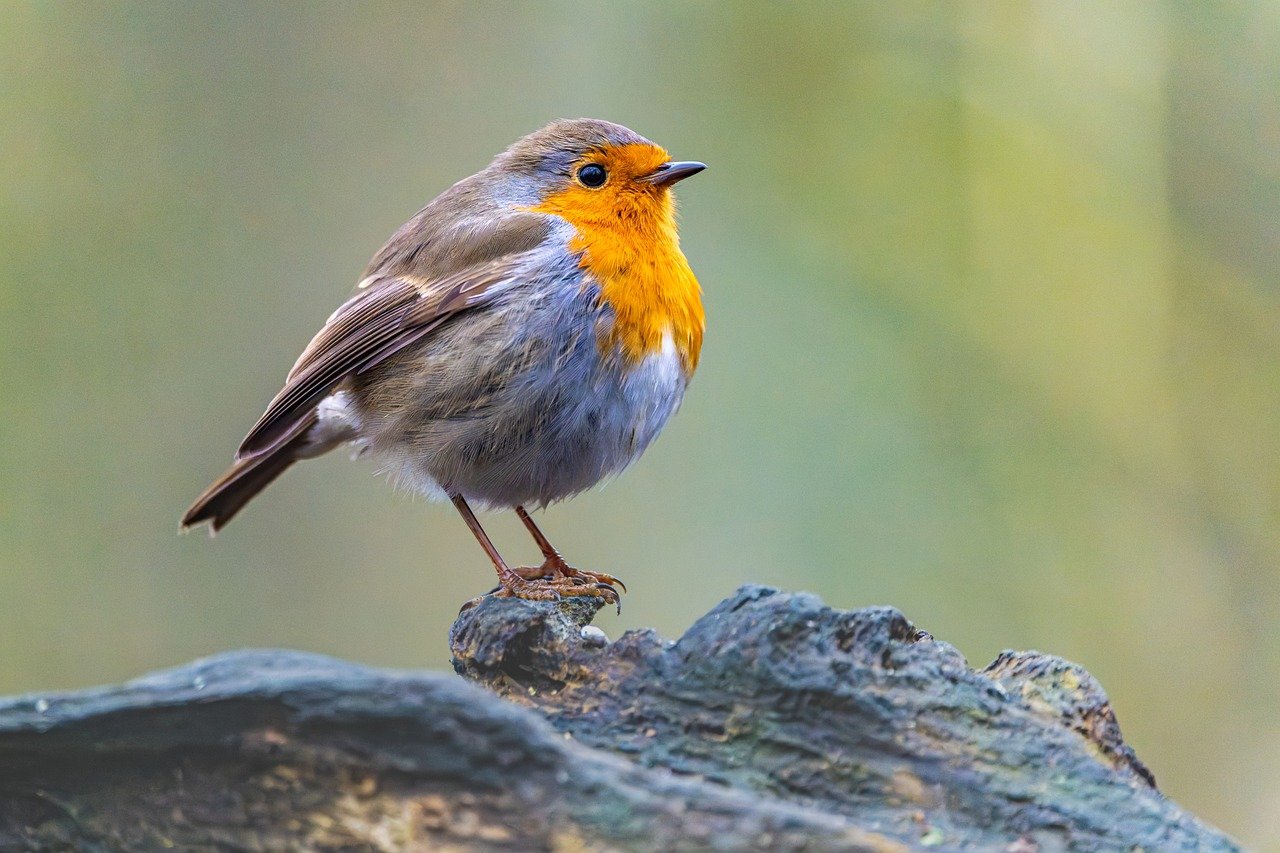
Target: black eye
592	175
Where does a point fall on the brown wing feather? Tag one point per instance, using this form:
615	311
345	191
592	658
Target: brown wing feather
452	255
442	261
386	315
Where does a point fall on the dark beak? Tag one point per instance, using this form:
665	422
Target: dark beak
677	170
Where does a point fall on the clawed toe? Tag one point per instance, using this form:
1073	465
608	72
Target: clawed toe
557	567
616	600
543	588
533	573
599	578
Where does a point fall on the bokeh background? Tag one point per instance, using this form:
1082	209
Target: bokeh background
994	301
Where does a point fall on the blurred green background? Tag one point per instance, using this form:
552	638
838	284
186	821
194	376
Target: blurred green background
994	331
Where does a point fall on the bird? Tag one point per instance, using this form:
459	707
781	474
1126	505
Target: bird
523	337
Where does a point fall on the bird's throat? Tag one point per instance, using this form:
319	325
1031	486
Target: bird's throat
634	254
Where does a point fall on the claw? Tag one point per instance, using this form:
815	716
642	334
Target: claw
617	599
610	594
557	567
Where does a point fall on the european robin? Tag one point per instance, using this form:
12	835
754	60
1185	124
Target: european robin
527	334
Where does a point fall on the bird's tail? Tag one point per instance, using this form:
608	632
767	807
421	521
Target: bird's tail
243	480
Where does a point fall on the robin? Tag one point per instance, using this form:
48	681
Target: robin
527	334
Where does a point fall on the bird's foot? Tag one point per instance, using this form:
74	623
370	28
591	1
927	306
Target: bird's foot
556	567
551	582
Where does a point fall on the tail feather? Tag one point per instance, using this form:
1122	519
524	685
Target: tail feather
242	481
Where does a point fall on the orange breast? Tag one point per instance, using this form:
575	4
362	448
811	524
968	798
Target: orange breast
626	234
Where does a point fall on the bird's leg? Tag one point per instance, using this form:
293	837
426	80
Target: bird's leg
512	584
553	564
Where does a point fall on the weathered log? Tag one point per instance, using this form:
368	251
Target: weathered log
775	723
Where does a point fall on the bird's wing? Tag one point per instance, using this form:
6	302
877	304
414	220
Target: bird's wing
389	311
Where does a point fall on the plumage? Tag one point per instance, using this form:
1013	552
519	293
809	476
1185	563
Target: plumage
522	337
516	405
382	318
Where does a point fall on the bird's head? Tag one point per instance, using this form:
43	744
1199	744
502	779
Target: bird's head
596	173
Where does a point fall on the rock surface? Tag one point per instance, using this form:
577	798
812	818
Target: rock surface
774	723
